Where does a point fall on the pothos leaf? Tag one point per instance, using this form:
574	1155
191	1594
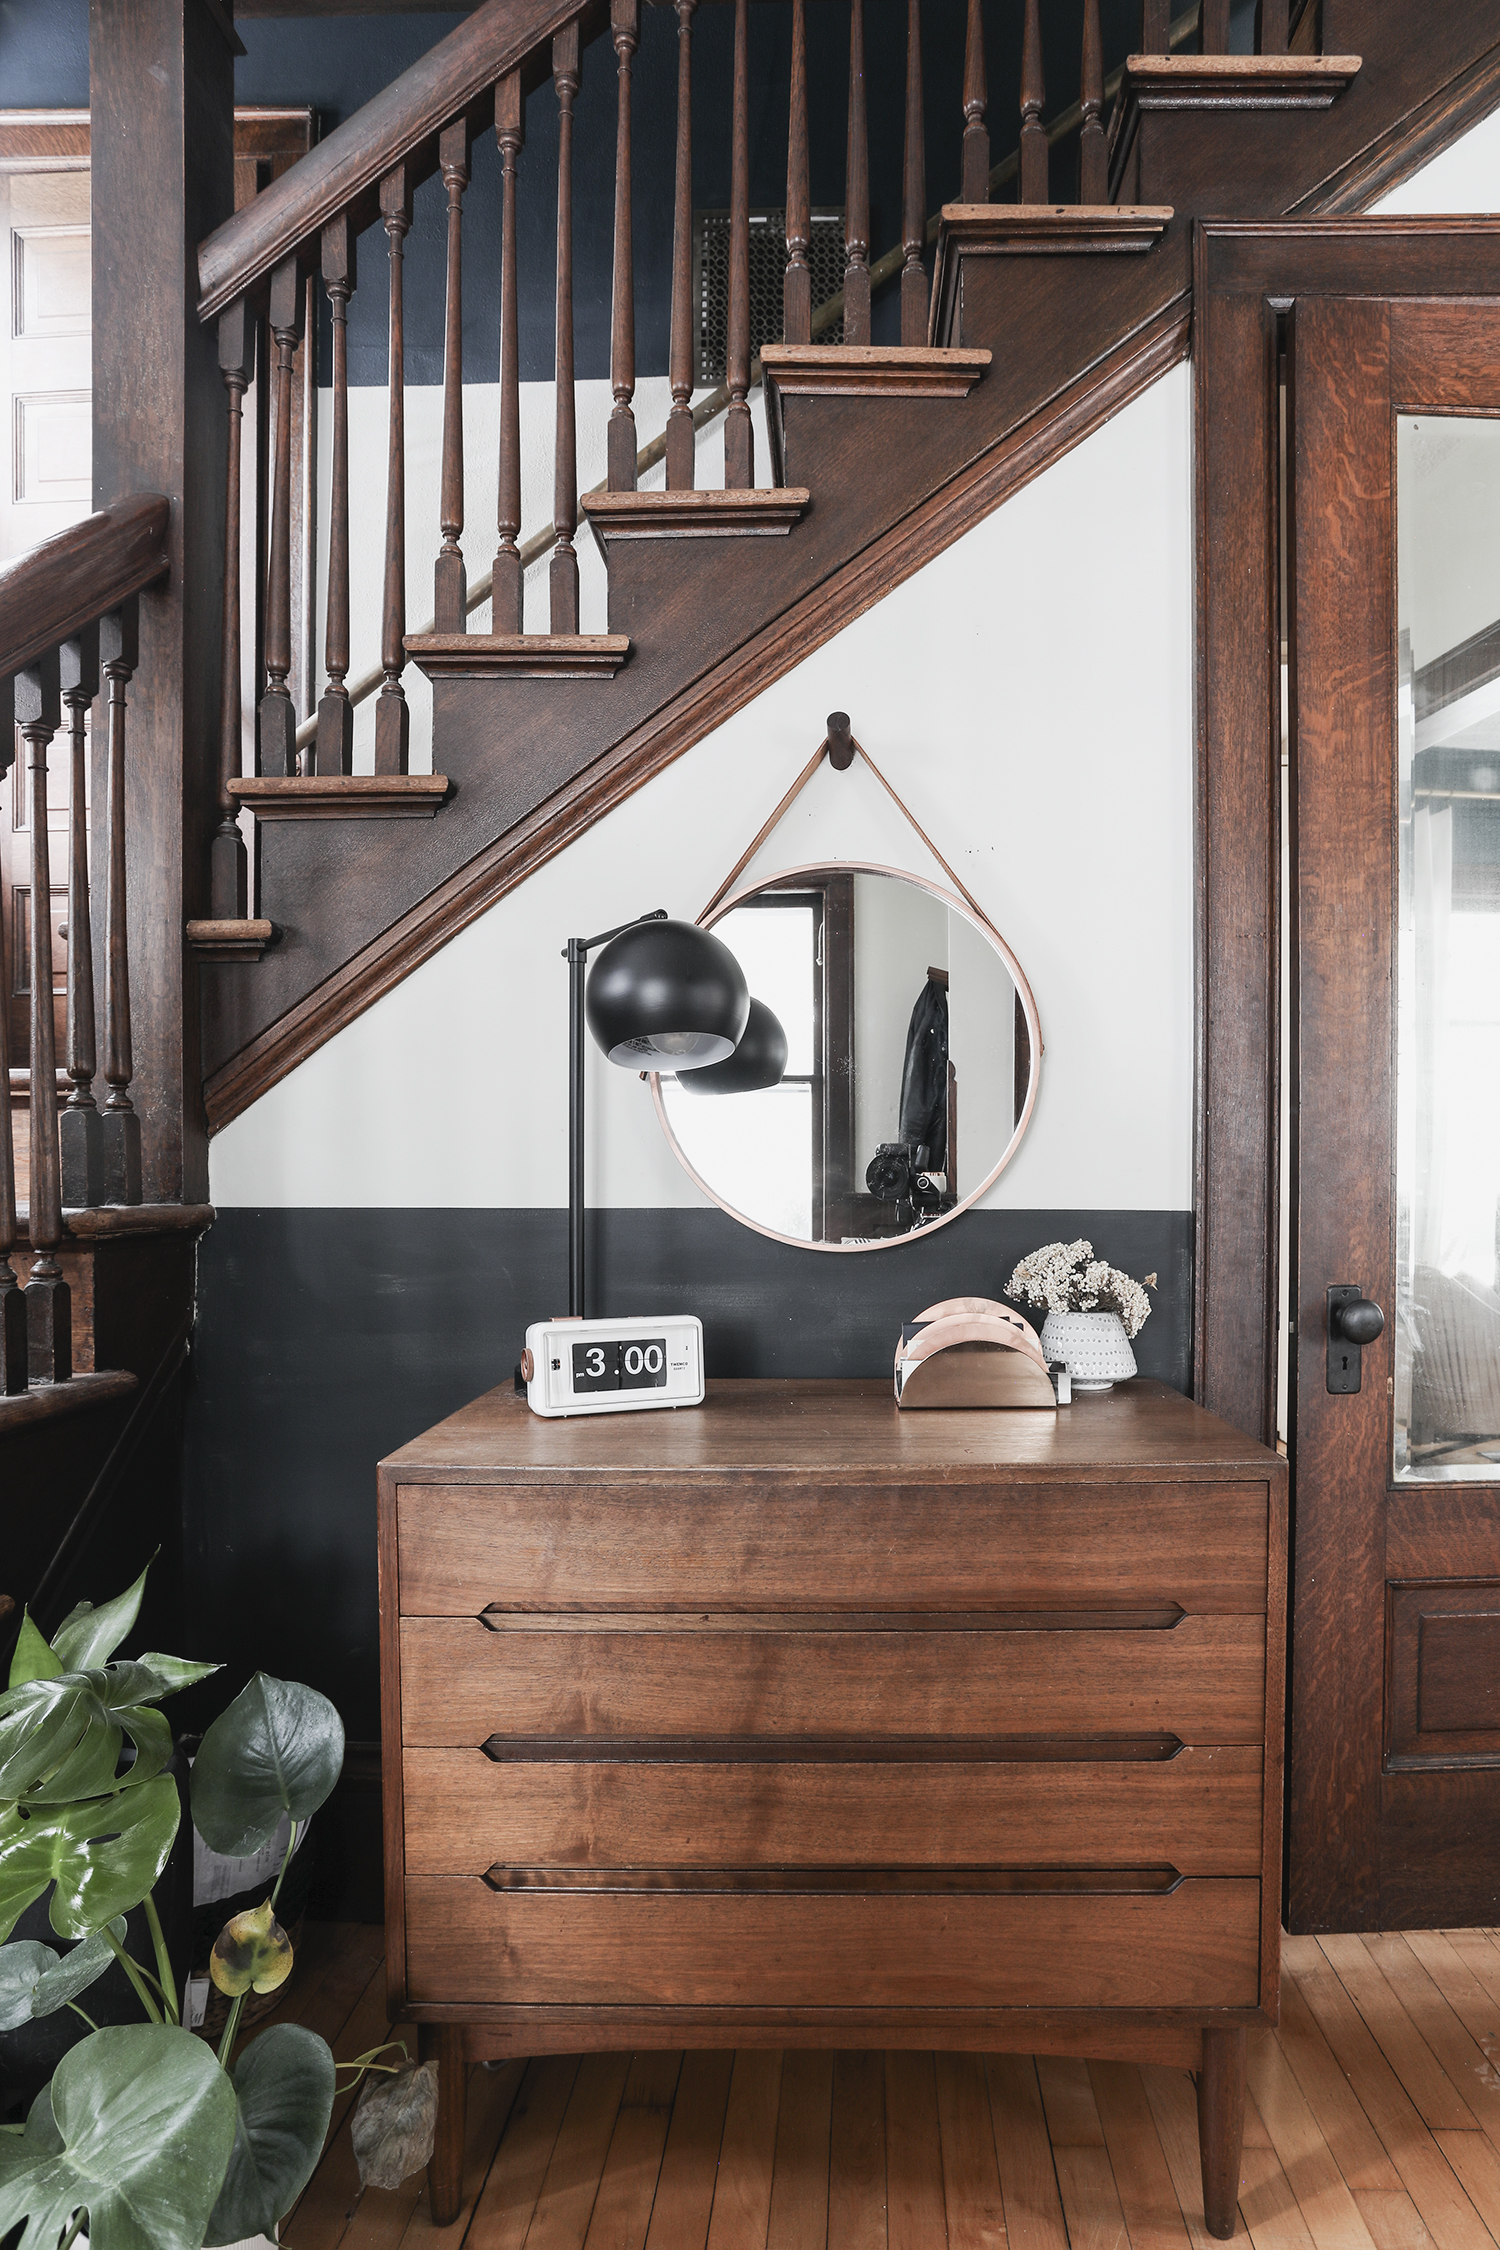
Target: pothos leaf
252	1951
283	2086
279	1748
32	1660
144	2121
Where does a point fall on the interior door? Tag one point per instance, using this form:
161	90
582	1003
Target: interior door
1393	511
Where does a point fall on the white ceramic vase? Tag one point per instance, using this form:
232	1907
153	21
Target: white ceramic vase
1092	1345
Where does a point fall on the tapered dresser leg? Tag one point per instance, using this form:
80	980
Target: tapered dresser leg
444	2044
1221	2127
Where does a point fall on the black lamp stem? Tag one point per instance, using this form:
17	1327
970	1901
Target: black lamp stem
577	952
577	964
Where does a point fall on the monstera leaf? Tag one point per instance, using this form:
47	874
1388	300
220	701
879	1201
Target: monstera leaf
138	2133
251	1953
278	1749
60	1736
34	1982
283	2087
103	1856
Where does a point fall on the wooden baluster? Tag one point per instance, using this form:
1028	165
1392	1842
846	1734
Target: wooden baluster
227	878
976	150
563	578
1213	23
278	715
914	291
119	653
625	23
79	1129
796	285
14	1355
680	432
1156	26
739	431
857	190
48	1327
1272	21
1033	94
1093	150
392	718
506	580
450	583
333	751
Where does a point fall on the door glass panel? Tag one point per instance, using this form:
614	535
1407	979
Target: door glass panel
1447	1324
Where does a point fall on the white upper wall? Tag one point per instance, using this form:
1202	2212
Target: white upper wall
1029	692
1465	177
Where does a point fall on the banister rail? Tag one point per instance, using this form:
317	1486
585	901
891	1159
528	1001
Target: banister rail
58	588
342	174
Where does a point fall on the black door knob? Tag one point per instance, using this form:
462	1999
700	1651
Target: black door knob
1359	1321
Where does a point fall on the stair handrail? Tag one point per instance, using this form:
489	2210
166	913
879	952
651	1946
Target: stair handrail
61	586
399	126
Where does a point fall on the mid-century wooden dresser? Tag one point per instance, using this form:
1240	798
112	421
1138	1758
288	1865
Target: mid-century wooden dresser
794	1720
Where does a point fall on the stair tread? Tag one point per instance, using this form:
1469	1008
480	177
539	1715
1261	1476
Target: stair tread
341	796
47	1402
558	656
701	512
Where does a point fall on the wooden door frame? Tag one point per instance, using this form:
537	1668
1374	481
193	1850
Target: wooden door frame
1247	275
1248	279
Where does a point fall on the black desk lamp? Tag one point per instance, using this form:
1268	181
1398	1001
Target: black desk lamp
662	995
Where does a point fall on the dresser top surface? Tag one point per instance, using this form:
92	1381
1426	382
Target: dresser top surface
1138	1430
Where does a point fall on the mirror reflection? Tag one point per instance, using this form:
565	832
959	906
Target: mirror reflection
908	1066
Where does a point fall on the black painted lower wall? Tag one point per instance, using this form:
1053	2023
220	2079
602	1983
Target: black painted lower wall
327	1338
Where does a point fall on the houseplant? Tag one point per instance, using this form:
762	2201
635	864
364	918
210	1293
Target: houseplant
1094	1311
145	2135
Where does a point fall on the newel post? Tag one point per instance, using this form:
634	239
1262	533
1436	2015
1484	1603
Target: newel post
161	81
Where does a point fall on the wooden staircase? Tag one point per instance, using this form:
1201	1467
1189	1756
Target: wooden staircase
1040	321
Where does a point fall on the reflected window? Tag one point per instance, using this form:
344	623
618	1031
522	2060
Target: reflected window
1447	1382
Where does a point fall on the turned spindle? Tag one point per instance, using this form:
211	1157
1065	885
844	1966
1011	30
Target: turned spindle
450	585
976	147
625	24
48	1308
506	582
739	433
1156	26
119	653
14	1354
680	433
563	575
334	748
277	722
1033	94
913	189
857	190
1093	151
227	873
796	284
392	717
79	1128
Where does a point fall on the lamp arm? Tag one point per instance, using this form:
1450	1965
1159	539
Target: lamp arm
576	953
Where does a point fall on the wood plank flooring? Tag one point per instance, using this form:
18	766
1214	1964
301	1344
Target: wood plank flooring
1373	2124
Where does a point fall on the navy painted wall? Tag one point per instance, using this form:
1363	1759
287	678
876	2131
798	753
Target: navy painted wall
328	1338
338	63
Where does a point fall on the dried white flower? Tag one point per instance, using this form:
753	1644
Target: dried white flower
1067	1277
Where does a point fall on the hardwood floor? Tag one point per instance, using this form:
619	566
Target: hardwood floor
1373	2124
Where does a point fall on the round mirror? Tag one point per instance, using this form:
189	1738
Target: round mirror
912	1053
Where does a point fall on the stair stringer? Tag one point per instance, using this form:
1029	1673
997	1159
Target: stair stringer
517	767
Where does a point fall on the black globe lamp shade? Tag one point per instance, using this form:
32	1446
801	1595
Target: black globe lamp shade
758	1061
665	995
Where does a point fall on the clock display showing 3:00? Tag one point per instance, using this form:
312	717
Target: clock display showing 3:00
633	1363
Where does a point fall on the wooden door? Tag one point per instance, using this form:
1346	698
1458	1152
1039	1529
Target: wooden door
1394	519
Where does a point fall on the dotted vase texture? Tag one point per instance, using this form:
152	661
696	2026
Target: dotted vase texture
1092	1345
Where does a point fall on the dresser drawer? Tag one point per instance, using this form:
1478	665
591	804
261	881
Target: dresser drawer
1201	1679
1196	1946
776	1543
1198	1811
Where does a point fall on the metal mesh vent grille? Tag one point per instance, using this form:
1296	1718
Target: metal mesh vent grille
767	265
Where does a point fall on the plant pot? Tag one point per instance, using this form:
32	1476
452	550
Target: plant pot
1093	1346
